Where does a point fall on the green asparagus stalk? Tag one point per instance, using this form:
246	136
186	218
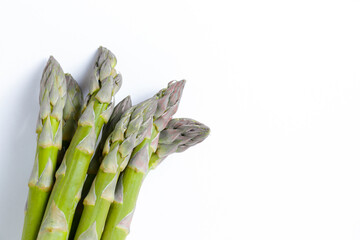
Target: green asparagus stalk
179	135
95	162
168	102
104	83
133	127
71	113
49	129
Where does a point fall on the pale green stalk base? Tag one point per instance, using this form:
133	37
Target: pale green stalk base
132	180
38	196
37	199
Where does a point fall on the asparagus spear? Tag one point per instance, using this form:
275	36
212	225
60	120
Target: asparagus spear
49	129
104	83
179	135
119	110
71	113
132	128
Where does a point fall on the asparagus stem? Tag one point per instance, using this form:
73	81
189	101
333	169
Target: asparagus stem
71	114
70	176
95	162
133	127
52	99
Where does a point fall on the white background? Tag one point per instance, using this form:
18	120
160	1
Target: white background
278	82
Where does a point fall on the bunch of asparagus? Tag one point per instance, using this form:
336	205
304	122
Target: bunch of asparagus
84	188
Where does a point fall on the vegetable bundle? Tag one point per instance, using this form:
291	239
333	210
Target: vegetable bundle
92	157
